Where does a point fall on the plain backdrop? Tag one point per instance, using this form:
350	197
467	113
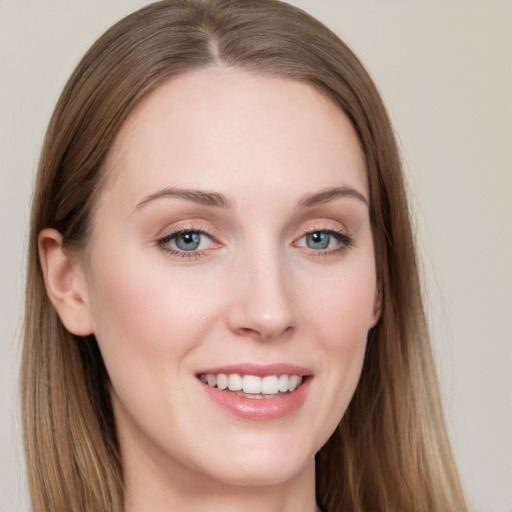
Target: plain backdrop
444	68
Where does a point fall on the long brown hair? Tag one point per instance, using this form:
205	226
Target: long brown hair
390	451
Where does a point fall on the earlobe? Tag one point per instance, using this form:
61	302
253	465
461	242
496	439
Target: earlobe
65	283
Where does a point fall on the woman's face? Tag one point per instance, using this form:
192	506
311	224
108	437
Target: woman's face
231	244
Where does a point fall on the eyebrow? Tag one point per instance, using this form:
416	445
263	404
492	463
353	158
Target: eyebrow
218	200
309	200
197	196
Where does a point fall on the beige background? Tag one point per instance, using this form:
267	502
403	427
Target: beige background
444	68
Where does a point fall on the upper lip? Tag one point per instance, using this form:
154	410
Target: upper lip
260	370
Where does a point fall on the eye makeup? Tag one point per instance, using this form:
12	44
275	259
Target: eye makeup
323	241
195	241
188	242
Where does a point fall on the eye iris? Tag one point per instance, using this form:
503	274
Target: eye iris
188	241
318	240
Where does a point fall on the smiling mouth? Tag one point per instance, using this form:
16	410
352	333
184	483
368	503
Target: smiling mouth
253	386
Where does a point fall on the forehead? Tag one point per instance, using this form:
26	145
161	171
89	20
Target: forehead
212	125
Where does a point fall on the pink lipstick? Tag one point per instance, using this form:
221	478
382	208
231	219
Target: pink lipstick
257	392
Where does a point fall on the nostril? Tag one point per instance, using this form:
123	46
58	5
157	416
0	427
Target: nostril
264	334
262	314
252	333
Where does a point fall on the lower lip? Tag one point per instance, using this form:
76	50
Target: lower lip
259	409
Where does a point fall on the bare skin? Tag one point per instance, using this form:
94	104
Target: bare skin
233	229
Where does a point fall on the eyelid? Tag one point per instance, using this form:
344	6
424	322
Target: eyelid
174	232
333	228
343	237
186	226
322	225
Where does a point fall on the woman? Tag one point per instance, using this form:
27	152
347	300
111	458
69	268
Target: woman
223	308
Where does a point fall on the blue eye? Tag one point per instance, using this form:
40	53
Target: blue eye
325	241
186	242
189	241
318	240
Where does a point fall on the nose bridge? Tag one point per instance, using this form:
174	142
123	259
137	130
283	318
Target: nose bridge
262	305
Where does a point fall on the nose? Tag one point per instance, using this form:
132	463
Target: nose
262	302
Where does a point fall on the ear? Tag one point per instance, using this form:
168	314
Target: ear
65	283
377	305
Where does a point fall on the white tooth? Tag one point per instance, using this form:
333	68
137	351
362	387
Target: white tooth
211	379
269	385
254	397
294	382
203	378
251	384
234	382
282	383
250	395
222	381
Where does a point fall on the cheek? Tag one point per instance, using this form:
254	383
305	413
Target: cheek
142	307
343	305
147	323
144	320
341	315
128	312
344	321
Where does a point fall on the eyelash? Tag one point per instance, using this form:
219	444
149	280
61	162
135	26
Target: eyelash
345	241
163	242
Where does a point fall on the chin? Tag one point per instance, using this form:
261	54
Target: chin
263	465
256	475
